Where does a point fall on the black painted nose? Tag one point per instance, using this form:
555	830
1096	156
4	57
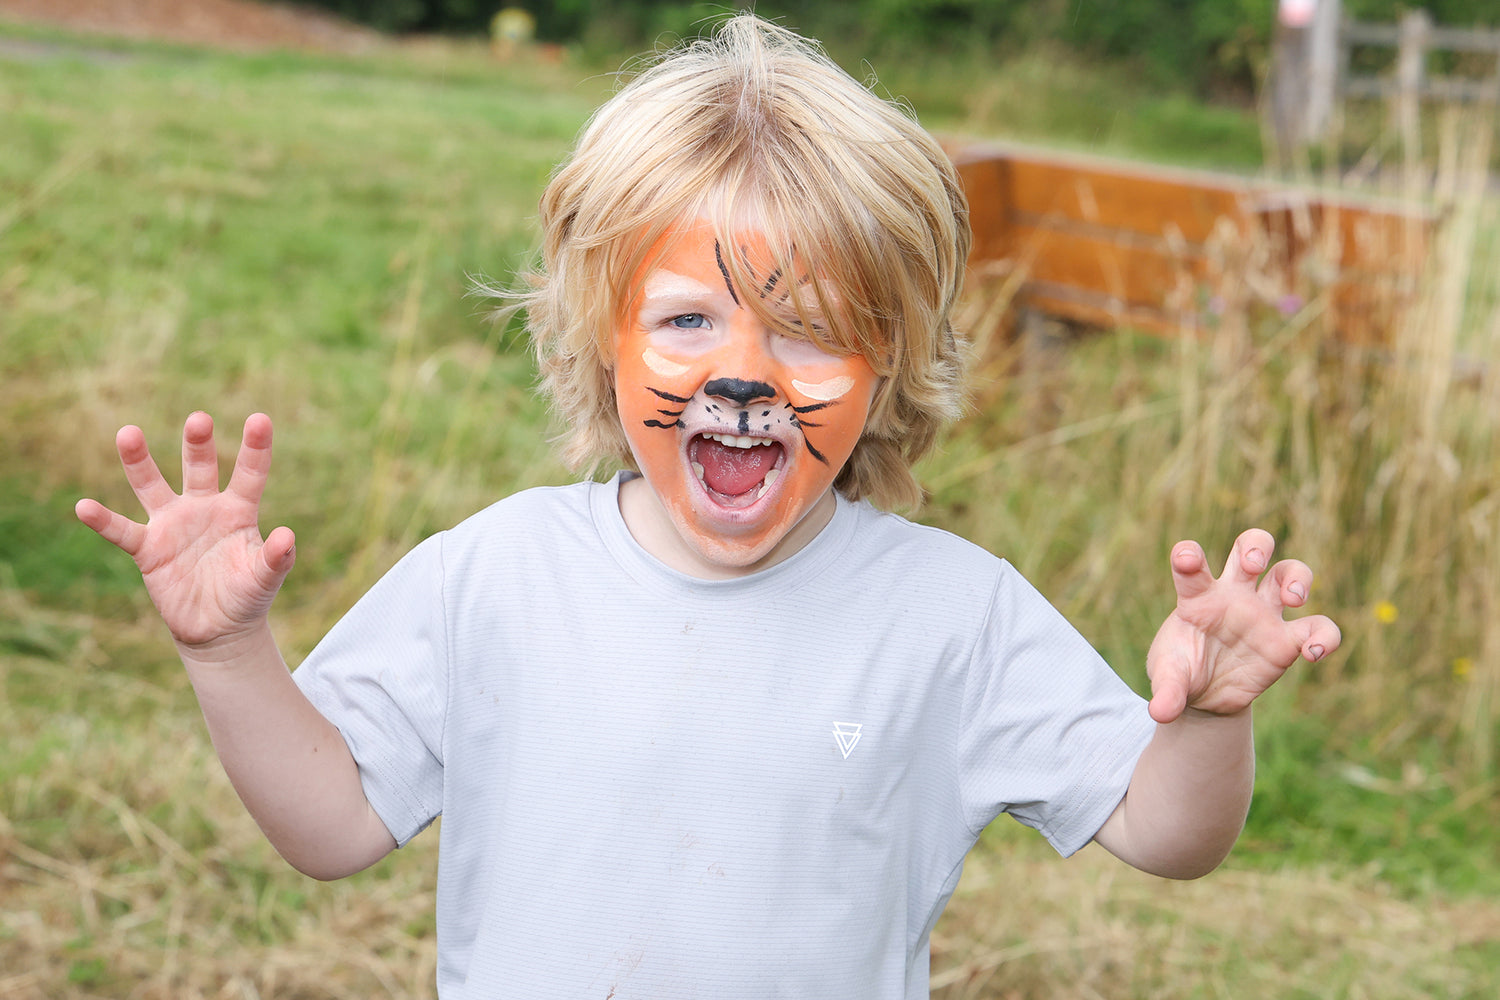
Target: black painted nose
738	391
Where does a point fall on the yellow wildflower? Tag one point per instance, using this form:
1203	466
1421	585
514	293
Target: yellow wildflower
1385	612
1462	667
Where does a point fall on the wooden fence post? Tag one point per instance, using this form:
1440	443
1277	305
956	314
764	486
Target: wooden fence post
1322	68
1411	68
1288	93
1304	80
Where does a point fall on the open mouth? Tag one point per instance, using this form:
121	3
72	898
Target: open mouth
736	471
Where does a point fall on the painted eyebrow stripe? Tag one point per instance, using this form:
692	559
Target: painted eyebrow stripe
719	259
826	390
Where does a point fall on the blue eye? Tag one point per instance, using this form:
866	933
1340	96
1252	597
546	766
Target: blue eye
689	321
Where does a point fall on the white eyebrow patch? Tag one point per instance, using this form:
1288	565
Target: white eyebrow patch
831	389
665	367
664	284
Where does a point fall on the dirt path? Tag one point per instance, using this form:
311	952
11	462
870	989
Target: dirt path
230	24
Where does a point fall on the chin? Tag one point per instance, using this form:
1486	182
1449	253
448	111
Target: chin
736	546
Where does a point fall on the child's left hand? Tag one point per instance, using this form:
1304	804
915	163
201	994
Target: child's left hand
1226	641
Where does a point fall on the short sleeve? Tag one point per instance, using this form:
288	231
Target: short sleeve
380	676
1049	732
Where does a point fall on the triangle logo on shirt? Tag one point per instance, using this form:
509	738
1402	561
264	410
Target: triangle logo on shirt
847	733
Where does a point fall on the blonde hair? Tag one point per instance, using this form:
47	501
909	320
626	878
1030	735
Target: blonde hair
757	123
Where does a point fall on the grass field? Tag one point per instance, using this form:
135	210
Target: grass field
295	234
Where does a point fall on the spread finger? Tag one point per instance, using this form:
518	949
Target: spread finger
141	470
1251	556
200	459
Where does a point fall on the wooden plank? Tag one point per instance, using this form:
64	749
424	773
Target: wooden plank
986	185
1123	199
1114	243
1366	33
1463	39
1101	311
1369	86
1453	88
1138	275
1364	238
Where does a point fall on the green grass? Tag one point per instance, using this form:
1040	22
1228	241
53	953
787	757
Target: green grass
298	234
271	232
1050	96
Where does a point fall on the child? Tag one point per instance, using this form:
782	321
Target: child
719	727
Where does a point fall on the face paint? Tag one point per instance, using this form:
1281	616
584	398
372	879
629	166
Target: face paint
739	430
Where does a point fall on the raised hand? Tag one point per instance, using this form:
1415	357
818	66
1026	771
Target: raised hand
205	565
1226	641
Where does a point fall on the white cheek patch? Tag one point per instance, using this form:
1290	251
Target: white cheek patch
831	389
665	367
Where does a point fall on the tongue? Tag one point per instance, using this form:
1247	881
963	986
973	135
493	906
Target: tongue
732	471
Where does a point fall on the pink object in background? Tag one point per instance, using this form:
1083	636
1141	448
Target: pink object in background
1297	13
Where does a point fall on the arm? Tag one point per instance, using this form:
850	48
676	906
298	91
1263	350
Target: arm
213	579
1224	644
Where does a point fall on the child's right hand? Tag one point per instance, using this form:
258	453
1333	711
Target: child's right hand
208	571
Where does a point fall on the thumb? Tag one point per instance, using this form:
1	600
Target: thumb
1168	701
1169	690
276	557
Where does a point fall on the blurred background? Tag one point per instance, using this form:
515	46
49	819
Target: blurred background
1238	263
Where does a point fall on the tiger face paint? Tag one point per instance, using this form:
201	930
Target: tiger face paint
738	429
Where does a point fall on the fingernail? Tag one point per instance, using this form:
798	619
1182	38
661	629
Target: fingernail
1315	652
1257	558
1298	591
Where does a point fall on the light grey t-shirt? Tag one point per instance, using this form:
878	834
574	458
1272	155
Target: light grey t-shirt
655	786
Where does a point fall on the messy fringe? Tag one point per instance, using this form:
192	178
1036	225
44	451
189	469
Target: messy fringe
756	124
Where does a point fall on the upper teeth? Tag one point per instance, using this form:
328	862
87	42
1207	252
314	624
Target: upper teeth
732	441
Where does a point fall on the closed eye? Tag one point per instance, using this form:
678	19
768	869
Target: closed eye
795	329
803	347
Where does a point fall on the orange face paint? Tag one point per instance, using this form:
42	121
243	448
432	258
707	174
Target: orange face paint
739	429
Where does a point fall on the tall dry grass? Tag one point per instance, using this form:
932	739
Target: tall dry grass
1023	925
1377	464
148	880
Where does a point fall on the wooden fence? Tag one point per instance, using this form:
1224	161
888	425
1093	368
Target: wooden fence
1314	70
1109	243
1413	39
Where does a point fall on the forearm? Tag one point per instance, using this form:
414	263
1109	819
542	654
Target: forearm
289	765
1188	796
